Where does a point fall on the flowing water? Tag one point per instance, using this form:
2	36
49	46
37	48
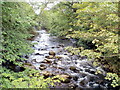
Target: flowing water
51	59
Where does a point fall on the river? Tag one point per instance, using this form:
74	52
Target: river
51	58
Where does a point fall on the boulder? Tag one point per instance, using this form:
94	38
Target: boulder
64	57
38	54
61	45
28	66
58	57
92	71
96	85
52	47
47	74
72	85
47	61
73	68
66	78
52	53
34	61
50	57
75	78
87	70
42	67
58	47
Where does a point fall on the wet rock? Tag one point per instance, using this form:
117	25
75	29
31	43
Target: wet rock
101	71
87	70
47	61
47	74
96	85
75	78
65	53
58	47
43	49
38	54
61	45
58	57
93	79
64	57
42	67
52	53
73	68
82	83
84	57
72	85
66	78
34	61
52	47
26	56
29	64
62	68
92	71
49	57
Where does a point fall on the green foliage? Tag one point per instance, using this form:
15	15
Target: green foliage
114	78
58	18
91	23
27	79
74	51
17	20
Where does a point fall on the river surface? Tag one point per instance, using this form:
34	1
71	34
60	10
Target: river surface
51	59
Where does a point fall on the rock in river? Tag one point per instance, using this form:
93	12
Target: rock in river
47	61
66	78
42	67
73	68
50	57
52	53
47	74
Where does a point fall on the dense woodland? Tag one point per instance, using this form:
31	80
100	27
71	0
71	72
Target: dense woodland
94	27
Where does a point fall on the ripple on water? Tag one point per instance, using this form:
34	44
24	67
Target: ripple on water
82	70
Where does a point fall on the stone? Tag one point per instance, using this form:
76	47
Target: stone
42	67
75	78
38	54
92	71
96	85
34	61
52	53
72	85
62	68
64	57
52	47
49	57
73	68
29	64
66	78
26	56
58	57
47	60
82	83
47	74
87	70
58	47
61	45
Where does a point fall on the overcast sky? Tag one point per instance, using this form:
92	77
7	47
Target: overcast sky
36	5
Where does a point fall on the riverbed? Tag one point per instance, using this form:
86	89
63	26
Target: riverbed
51	58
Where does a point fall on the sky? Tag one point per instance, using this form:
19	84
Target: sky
37	5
